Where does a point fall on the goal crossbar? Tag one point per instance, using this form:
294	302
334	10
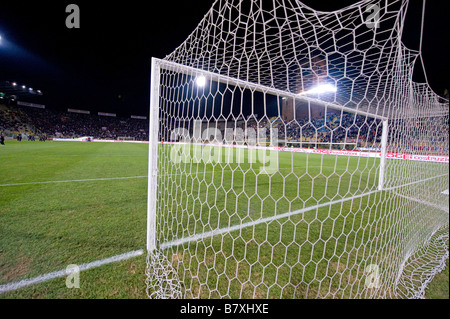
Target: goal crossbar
219	78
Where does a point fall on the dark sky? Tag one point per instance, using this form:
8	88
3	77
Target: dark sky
105	65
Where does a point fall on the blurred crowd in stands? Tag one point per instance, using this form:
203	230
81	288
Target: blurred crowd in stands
334	128
11	121
51	123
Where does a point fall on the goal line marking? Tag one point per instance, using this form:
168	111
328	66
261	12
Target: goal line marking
74	180
133	177
445	209
62	273
257	222
220	231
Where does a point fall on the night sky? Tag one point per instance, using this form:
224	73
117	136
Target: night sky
105	65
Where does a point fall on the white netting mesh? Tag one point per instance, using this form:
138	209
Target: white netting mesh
296	157
162	280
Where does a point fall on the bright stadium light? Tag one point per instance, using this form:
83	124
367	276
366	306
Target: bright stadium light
14	84
201	81
320	89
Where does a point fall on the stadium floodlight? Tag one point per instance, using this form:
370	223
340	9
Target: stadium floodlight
320	89
14	84
24	87
200	81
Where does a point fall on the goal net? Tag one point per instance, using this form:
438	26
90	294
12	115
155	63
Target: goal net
291	155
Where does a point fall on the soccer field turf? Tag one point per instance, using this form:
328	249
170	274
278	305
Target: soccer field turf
47	226
67	203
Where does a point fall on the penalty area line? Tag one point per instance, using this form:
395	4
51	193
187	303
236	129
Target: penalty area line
74	180
134	177
62	273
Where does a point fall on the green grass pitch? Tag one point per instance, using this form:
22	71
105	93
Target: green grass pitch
66	203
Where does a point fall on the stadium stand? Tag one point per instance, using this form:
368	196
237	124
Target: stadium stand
333	129
13	122
51	123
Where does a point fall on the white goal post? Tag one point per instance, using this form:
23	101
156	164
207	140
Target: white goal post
356	209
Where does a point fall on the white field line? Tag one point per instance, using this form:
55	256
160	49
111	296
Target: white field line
91	155
445	209
257	222
74	180
273	218
416	182
62	273
133	177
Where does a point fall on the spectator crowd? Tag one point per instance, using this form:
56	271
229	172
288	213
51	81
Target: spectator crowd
51	123
428	134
